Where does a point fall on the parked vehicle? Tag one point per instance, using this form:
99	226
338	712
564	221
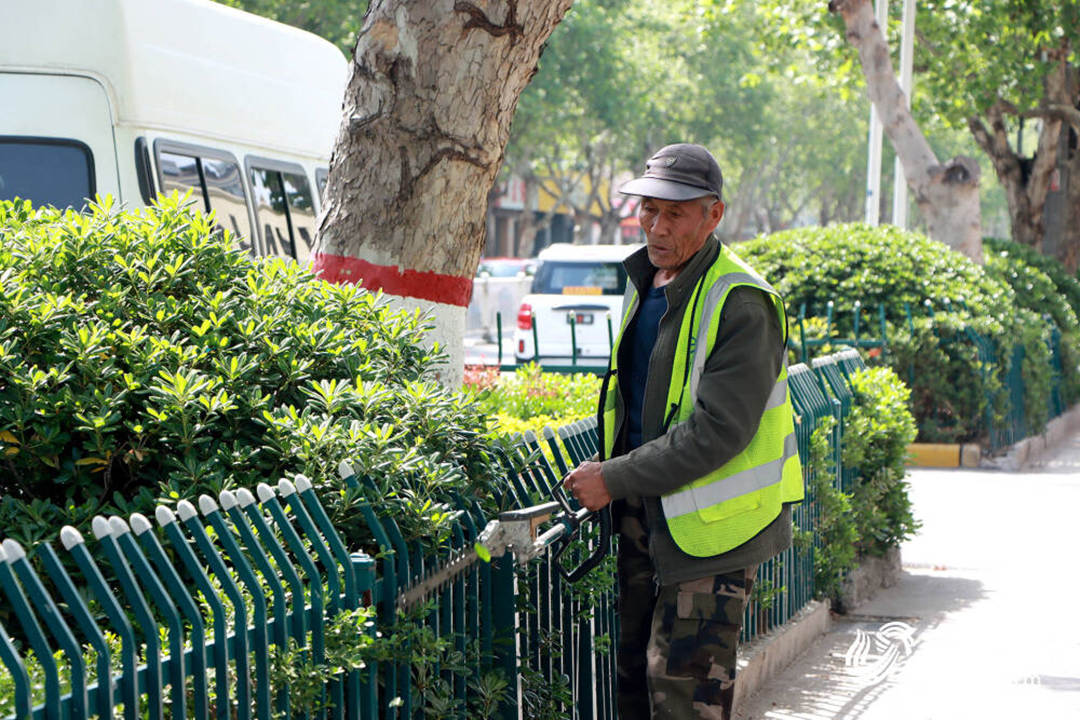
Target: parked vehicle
576	296
506	267
131	98
499	286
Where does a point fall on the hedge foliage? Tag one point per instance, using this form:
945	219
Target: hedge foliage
1044	286
145	359
957	391
876	514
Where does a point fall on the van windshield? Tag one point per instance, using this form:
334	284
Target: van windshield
555	277
46	172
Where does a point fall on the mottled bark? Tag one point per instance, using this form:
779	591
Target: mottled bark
947	194
427	113
1026	183
1069	247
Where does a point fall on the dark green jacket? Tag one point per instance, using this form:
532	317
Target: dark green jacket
734	388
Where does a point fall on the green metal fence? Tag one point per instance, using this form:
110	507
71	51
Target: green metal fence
196	607
1004	361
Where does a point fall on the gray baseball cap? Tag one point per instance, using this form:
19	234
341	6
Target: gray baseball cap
678	172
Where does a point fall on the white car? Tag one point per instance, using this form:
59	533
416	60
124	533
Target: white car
577	289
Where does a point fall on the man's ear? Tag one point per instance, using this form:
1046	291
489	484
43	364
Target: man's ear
716	213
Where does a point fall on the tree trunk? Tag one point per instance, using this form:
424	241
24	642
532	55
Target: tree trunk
947	195
427	113
1026	182
1069	248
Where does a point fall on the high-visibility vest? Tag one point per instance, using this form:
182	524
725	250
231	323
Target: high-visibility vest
732	504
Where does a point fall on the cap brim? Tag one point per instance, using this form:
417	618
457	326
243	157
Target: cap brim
662	189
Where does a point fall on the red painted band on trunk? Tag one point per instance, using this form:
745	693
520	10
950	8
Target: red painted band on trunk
447	289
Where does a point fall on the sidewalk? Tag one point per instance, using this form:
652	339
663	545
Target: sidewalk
990	601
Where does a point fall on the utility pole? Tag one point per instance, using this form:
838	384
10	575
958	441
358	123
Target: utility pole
873	163
907	47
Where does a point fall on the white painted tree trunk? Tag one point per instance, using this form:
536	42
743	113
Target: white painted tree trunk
427	113
947	194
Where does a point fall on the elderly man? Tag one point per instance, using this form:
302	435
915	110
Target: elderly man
698	453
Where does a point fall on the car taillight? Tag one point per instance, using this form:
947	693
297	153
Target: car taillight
525	317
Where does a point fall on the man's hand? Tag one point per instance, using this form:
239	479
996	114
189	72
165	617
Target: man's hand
586	483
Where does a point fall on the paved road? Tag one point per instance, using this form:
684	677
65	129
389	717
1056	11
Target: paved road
991	594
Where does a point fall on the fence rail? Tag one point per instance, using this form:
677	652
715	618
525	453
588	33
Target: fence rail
190	616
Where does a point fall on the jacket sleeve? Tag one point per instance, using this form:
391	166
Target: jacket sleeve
734	388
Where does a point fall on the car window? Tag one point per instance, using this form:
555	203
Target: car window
556	277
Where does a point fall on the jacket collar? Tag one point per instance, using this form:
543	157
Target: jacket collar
641	271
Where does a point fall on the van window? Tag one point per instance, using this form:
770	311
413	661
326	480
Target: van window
46	171
284	209
321	176
270	213
215	181
225	193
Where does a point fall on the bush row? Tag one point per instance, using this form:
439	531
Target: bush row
144	359
956	384
876	514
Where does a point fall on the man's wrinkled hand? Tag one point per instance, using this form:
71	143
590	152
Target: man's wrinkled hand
586	483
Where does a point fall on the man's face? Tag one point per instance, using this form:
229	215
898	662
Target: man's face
676	230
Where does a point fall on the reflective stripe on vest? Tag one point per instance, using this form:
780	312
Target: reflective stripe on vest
689	500
730	505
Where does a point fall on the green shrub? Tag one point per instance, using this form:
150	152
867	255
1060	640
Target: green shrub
837	536
145	359
957	391
1068	286
1043	286
877	432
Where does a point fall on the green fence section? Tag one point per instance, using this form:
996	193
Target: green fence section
871	330
184	617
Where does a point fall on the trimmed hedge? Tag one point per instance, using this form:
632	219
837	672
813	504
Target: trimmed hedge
954	386
1044	286
145	359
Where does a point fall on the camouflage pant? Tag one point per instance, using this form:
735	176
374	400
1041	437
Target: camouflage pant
676	651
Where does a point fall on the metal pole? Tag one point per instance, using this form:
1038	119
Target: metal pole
873	163
900	189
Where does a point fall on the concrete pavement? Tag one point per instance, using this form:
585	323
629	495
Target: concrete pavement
984	623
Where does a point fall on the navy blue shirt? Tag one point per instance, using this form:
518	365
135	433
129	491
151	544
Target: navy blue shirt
642	337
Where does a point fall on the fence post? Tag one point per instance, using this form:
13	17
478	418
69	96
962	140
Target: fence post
504	618
367	694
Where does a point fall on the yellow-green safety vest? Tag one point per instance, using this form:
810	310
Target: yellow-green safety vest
727	507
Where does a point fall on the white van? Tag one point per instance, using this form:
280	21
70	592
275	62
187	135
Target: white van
576	295
132	98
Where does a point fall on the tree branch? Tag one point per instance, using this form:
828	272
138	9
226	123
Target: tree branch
1064	113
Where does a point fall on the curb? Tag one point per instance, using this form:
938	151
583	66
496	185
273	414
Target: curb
1032	449
943	455
766	657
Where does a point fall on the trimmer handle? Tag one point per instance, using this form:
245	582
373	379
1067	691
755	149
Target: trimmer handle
573	520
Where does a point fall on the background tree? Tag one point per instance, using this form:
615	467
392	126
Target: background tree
621	78
947	193
335	20
1012	61
981	68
